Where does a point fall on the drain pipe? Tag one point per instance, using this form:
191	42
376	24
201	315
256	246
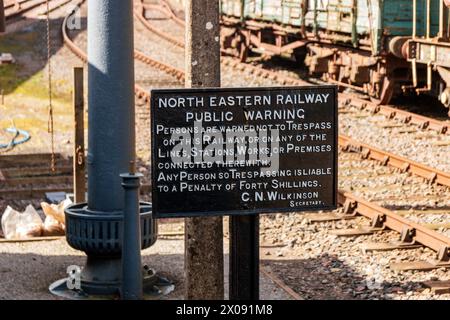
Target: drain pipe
131	247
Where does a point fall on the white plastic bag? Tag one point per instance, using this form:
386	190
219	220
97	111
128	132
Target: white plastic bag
9	222
21	225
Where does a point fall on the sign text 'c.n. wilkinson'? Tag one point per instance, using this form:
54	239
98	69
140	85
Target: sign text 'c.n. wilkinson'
238	151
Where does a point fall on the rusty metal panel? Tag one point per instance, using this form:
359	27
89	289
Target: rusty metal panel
435	53
374	19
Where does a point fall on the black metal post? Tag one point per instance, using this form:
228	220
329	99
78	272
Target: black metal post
131	246
244	257
2	17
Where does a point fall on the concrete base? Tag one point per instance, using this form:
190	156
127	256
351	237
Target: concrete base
154	287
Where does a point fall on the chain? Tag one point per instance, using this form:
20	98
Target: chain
50	102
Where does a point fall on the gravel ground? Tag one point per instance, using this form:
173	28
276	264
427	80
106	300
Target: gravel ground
424	146
403	193
320	265
27	269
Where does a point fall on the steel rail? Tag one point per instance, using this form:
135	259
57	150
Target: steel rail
432	175
275	279
172	14
152	28
393	221
391	112
21	10
14	4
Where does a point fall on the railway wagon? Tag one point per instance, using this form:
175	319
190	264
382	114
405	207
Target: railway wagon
360	44
429	52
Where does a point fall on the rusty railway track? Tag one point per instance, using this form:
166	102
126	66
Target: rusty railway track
382	218
17	8
139	13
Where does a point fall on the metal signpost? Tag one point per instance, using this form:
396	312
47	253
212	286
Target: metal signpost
242	152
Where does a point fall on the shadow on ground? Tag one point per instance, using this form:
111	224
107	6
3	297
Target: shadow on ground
327	278
28	276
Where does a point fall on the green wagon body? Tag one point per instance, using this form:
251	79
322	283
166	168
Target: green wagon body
375	20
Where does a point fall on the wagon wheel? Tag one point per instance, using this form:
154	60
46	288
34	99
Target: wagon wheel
386	92
300	55
242	51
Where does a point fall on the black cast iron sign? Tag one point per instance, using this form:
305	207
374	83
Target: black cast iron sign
243	151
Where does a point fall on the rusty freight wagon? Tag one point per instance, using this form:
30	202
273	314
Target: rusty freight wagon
360	44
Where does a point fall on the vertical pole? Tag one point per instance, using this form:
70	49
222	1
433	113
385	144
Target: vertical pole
315	26
2	17
111	101
414	27
428	19
203	236
111	135
244	257
441	19
430	74
131	246
79	167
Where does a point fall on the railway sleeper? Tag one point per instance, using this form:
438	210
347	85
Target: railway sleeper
442	261
406	241
346	212
376	225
